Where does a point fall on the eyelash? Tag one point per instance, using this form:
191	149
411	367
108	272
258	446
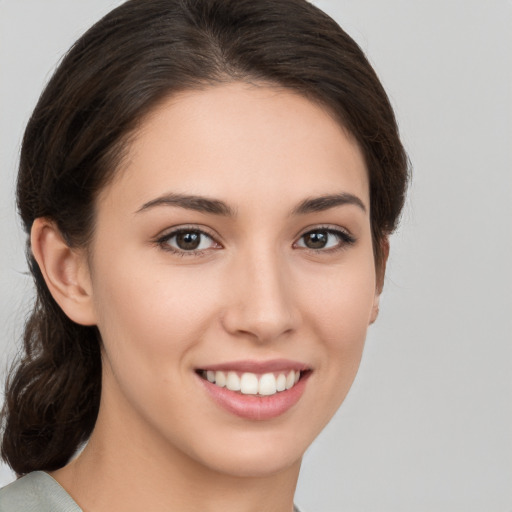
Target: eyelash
163	241
344	240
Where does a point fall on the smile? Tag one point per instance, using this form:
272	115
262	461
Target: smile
255	390
249	383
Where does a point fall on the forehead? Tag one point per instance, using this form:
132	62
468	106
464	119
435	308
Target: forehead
238	142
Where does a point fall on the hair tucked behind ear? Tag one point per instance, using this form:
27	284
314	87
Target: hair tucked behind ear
117	73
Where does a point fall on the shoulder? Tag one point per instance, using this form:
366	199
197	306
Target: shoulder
36	492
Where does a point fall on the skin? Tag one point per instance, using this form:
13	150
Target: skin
160	441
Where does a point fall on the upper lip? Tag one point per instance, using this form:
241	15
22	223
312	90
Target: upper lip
274	365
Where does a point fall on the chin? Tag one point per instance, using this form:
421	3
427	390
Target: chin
254	456
256	466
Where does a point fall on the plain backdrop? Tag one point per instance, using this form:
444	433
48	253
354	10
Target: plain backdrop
427	426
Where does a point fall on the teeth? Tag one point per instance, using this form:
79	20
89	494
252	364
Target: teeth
233	382
252	384
267	384
281	382
249	384
290	380
220	379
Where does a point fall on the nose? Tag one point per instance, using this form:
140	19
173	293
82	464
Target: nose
261	300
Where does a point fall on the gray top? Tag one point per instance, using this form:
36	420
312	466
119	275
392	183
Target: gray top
39	492
36	492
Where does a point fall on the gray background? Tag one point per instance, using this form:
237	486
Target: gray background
428	423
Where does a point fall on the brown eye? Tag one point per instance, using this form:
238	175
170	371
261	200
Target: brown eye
325	239
316	239
187	241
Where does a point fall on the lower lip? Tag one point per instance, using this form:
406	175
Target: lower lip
255	407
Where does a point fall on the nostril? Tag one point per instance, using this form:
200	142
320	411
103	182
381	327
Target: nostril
257	325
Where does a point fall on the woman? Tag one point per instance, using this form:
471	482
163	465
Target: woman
208	187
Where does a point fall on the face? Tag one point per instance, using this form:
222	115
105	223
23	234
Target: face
232	256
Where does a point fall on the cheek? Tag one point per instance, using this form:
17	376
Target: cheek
152	319
338	314
340	303
149	312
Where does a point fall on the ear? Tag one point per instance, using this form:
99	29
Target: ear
65	271
380	273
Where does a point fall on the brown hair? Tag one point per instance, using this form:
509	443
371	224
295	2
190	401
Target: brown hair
113	76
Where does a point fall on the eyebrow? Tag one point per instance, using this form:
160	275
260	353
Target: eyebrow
322	203
191	202
216	207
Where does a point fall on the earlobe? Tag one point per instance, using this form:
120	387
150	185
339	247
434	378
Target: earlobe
65	271
375	309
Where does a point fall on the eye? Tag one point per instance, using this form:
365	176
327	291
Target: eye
324	239
187	240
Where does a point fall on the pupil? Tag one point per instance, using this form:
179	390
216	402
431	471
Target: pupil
316	240
188	241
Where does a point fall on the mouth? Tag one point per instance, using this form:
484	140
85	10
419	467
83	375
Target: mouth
255	391
249	383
